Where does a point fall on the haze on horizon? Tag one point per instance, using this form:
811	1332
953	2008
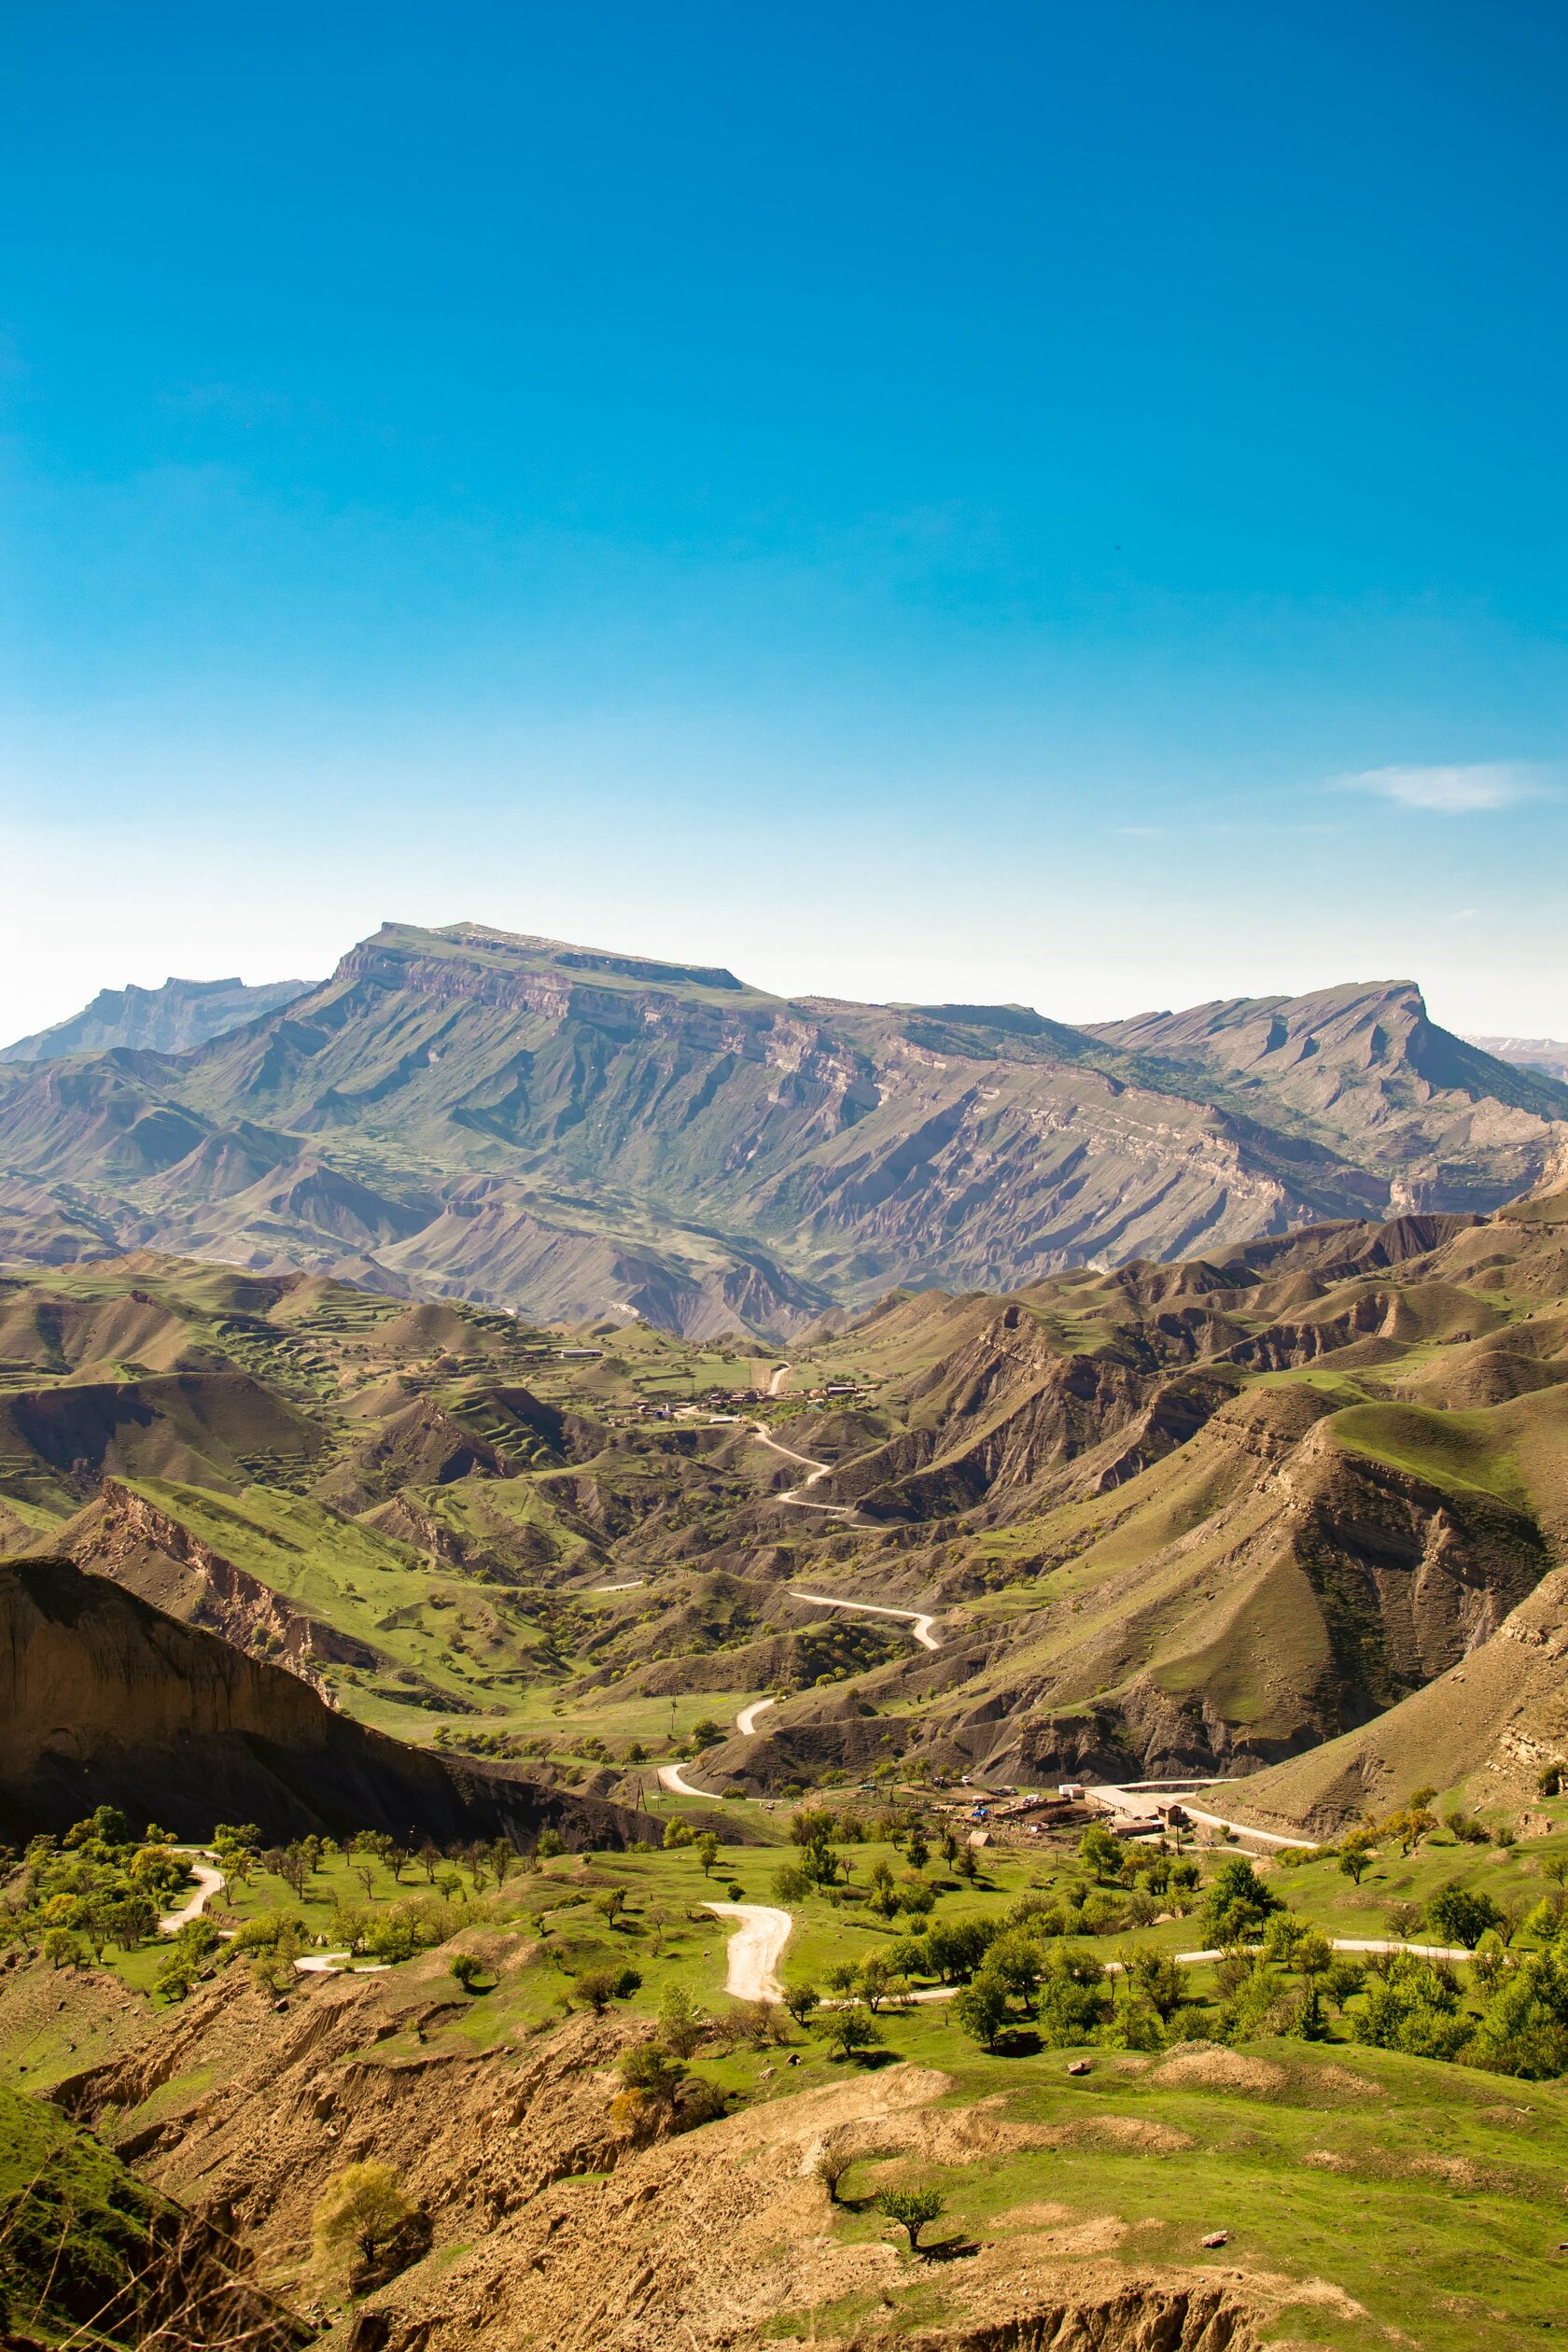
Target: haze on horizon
1039	507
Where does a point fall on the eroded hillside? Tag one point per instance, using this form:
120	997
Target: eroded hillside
1162	1519
576	1134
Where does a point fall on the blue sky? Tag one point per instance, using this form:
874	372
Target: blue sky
1027	502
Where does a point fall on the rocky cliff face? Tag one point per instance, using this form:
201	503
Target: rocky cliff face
587	1135
105	1700
127	1538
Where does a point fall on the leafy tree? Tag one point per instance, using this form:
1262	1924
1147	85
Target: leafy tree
1155	1977
913	2210
1356	1854
1403	1920
800	2000
361	2212
877	1979
1071	1997
981	2007
1016	1961
1099	1851
955	1950
1460	1915
707	1851
676	1833
1415	2007
1524	2028
850	2029
1238	1903
467	1969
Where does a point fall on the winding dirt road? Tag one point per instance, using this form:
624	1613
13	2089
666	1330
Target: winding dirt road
209	1884
746	1722
755	1950
796	1496
919	1623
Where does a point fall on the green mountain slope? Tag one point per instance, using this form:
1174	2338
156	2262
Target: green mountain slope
1183	1519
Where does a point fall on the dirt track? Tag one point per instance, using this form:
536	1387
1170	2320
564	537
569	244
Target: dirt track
755	1950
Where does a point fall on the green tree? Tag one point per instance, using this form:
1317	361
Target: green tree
360	2213
800	1999
707	1851
467	1969
913	2210
981	2009
1462	1916
850	2030
1099	1851
1239	1903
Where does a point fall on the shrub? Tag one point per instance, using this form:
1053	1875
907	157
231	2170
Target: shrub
681	2023
467	1969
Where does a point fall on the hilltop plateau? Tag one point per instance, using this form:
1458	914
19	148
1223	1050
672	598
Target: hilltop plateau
573	1134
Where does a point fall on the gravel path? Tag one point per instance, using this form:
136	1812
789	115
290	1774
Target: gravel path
209	1884
755	1951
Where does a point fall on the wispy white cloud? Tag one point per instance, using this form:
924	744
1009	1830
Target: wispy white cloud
1449	791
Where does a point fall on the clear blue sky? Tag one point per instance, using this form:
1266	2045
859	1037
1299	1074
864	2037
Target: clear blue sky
1061	503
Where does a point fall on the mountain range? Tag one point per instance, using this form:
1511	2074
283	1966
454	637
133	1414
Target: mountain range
1549	1054
578	1134
167	1020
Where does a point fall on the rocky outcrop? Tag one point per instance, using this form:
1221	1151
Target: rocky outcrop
106	1700
125	1536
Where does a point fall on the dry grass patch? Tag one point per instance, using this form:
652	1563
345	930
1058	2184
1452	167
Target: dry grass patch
1209	2067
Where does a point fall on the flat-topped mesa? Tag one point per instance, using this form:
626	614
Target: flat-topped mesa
499	953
